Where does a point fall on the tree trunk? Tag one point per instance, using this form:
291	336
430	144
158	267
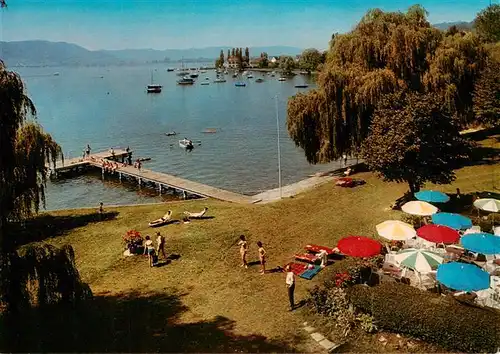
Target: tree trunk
414	187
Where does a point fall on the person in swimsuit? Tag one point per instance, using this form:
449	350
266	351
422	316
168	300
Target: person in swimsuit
149	249
243	251
262	257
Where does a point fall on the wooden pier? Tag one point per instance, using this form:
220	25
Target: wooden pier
161	180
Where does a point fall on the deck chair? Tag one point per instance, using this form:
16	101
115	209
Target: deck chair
196	215
162	221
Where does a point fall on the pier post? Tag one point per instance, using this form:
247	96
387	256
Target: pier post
139	179
184	195
102	172
159	188
120	176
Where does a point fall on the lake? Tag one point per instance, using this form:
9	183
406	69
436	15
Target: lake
109	107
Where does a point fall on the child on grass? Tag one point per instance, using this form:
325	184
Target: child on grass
262	257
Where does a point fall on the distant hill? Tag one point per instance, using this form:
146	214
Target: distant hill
460	24
45	53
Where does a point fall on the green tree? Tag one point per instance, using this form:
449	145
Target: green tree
25	149
413	139
286	64
247	55
487	23
487	95
219	63
385	53
264	60
310	59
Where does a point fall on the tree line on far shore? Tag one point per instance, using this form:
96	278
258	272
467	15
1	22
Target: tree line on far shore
309	60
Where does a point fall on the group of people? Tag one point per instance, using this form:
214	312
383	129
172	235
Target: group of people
138	164
111	166
153	252
290	276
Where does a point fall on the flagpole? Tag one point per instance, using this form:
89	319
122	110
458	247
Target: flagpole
279	152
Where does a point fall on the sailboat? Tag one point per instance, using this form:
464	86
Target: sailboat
153	88
183	71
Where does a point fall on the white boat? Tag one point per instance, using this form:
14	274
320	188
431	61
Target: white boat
282	79
153	88
186	144
220	79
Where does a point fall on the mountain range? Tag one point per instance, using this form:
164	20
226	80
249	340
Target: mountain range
45	53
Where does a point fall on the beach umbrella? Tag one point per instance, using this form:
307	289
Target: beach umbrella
488	204
418	260
482	243
417	207
463	276
432	196
438	234
455	221
395	230
359	246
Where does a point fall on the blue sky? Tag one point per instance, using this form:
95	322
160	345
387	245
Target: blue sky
161	24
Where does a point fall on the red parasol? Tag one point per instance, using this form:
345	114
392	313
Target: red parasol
438	234
359	246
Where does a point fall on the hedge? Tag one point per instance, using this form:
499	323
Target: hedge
434	318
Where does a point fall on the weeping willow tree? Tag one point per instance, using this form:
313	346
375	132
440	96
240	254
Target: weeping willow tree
386	52
25	150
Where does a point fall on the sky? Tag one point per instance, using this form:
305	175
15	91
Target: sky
181	24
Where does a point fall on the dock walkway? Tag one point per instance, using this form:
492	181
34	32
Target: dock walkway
79	162
166	180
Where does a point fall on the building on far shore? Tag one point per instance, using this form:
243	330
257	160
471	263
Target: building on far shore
274	60
231	63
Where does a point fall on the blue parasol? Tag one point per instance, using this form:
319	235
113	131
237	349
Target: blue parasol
482	243
462	276
432	196
455	221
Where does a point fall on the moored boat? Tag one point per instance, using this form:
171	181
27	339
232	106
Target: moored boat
240	84
186	144
259	80
302	86
220	79
282	79
172	133
185	81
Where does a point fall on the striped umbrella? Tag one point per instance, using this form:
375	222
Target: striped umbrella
488	204
416	207
419	260
396	230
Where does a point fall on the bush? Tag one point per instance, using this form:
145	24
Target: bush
434	318
332	302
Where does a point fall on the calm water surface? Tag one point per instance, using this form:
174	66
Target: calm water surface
108	106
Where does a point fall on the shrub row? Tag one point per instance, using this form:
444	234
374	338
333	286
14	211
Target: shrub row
431	317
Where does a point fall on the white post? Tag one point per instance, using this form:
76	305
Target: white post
279	152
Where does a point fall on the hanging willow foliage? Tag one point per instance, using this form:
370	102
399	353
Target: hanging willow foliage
385	53
25	150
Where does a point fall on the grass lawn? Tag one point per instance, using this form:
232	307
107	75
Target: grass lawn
204	300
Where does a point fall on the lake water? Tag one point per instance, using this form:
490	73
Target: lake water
109	107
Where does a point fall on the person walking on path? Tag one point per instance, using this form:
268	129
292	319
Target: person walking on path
290	284
262	257
160	245
243	251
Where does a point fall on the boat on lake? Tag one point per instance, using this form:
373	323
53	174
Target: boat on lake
240	84
186	144
153	88
205	83
249	75
194	75
302	86
235	75
172	133
282	79
220	79
185	81
259	80
170	69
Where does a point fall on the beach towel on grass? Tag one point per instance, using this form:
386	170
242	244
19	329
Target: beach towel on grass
310	273
297	268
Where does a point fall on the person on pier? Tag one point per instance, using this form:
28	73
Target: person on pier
88	150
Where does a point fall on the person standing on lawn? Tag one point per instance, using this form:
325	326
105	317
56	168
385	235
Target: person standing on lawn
290	284
160	245
262	257
243	251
